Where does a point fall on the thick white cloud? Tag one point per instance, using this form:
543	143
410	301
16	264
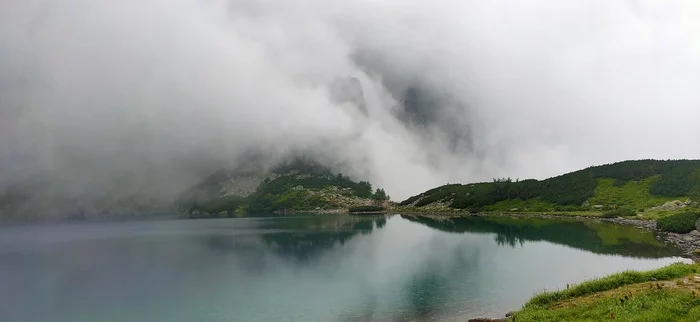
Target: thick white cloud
99	91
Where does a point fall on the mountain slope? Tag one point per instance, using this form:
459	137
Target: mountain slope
297	185
637	186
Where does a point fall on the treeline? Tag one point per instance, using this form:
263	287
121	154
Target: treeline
281	184
291	192
569	191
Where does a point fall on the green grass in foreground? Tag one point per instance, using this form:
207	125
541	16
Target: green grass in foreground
626	296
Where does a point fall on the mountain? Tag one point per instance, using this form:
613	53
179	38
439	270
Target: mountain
296	185
623	188
251	186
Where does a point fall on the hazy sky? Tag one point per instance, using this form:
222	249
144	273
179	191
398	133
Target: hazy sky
120	95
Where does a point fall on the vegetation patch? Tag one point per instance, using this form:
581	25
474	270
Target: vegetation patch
667	294
298	185
517	205
633	194
216	206
612	282
620	212
678	223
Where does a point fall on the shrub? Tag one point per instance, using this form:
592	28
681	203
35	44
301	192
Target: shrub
619	212
215	206
366	209
679	223
619	183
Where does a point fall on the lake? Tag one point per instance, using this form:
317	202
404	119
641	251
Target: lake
305	268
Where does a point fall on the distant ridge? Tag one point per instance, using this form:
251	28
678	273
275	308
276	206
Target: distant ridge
635	186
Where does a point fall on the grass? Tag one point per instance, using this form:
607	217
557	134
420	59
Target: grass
614	281
519	205
633	194
620	212
639	302
666	294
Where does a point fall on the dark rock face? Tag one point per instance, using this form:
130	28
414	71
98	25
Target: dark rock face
425	107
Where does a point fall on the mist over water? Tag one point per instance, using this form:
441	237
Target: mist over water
109	99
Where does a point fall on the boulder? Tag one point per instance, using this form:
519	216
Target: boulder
671	205
695	233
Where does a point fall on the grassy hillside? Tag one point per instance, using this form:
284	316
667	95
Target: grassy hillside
298	185
666	294
632	186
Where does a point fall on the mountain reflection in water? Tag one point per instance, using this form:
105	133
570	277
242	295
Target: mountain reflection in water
593	236
304	268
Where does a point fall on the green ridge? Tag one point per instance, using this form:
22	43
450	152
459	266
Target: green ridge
299	185
623	188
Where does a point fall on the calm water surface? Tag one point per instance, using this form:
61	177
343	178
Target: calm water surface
305	268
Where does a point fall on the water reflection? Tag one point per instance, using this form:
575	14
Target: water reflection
299	238
304	268
596	237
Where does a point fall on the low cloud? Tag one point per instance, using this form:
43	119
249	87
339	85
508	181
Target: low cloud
110	98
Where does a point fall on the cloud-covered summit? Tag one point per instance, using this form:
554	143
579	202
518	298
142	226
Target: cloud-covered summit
108	98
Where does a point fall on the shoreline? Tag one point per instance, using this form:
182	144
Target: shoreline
689	243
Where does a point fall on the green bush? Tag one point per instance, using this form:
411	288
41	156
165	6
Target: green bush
620	212
619	183
366	209
215	206
679	223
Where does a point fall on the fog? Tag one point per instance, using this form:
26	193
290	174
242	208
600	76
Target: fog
111	98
